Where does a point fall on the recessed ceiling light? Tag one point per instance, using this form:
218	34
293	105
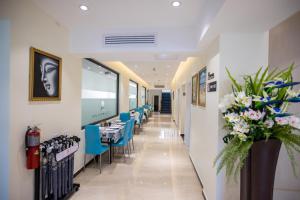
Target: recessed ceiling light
83	7
176	3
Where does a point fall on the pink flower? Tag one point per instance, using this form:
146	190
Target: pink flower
269	123
294	122
282	120
254	115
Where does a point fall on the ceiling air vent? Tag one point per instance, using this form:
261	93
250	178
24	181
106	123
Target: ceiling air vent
141	39
159	86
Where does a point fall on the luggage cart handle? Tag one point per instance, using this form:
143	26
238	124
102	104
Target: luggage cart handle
65	153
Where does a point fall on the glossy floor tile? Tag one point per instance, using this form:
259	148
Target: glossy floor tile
159	169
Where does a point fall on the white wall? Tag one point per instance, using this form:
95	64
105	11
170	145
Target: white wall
284	50
241	53
31	27
204	121
182	108
204	135
4	107
187	111
152	93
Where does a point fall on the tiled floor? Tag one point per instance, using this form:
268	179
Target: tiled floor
160	169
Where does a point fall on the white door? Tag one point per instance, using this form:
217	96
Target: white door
182	106
187	123
177	107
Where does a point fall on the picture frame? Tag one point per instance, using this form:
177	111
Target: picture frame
45	72
195	83
202	87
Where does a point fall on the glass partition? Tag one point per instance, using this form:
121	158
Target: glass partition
143	95
99	92
133	93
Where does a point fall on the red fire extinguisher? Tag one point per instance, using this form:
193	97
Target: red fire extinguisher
32	141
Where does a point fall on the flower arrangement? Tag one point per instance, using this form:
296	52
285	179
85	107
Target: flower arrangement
258	110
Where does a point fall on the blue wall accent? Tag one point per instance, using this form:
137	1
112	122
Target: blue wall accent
4	107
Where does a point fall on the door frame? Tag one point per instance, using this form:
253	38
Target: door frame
157	103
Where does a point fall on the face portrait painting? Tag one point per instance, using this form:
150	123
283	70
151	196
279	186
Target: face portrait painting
49	76
45	83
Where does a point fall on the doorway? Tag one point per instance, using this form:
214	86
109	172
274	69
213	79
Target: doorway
156	103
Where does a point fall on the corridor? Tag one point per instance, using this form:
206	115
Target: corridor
160	168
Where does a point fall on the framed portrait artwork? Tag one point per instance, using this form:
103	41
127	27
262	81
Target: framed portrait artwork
44	76
202	87
195	83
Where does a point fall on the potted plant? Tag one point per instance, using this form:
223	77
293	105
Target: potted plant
257	119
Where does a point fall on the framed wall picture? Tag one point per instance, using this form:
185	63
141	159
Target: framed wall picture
202	88
44	76
195	83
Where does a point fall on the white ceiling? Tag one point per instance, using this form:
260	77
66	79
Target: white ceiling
181	32
123	14
175	27
155	72
244	16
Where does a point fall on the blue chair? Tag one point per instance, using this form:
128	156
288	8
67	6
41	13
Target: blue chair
141	111
140	118
131	132
93	144
124	116
123	142
148	111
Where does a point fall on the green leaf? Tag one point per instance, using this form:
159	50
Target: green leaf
234	82
262	80
256	78
268	78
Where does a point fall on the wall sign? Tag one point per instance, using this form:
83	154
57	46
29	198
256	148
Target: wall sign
212	87
211	75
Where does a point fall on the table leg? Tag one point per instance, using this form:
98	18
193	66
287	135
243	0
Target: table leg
110	152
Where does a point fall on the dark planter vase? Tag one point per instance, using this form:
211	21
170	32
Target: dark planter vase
258	173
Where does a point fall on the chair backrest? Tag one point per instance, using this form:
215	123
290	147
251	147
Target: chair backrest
141	111
130	135
126	132
124	116
137	117
92	139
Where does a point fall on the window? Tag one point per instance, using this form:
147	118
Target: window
99	92
143	95
133	94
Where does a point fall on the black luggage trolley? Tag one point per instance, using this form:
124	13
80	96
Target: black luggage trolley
54	177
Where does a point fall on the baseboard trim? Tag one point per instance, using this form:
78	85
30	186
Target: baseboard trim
203	194
200	181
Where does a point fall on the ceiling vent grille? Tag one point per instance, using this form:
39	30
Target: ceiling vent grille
159	86
116	40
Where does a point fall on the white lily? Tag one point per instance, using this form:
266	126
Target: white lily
254	115
232	117
241	126
226	102
269	123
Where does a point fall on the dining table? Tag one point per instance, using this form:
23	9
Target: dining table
112	134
